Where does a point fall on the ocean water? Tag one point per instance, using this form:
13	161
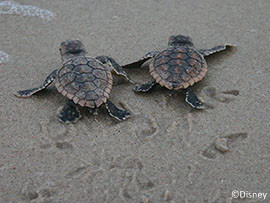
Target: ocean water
13	8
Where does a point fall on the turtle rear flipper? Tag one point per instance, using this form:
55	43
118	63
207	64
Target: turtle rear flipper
117	113
69	113
30	92
193	100
207	52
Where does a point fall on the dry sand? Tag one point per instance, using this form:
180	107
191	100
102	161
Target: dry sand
166	151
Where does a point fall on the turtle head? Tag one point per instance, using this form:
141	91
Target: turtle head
180	40
71	48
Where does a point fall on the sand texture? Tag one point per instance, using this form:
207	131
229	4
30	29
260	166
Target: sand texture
167	151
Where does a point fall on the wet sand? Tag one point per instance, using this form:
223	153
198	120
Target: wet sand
167	152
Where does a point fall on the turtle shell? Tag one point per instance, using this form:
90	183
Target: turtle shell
84	80
178	67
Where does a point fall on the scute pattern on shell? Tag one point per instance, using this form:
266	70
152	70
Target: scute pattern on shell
85	81
178	67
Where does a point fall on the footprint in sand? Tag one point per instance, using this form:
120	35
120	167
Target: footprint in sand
226	96
148	128
58	134
140	182
29	192
223	144
34	192
77	172
64	146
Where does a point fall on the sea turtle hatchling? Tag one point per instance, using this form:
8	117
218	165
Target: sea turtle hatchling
177	67
84	80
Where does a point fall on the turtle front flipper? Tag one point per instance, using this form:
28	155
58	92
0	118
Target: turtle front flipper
115	66
69	113
141	61
207	52
144	87
30	92
193	100
117	113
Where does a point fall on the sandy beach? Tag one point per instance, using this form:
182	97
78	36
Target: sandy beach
167	151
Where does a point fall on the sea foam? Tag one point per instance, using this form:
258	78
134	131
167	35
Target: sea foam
4	58
11	7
